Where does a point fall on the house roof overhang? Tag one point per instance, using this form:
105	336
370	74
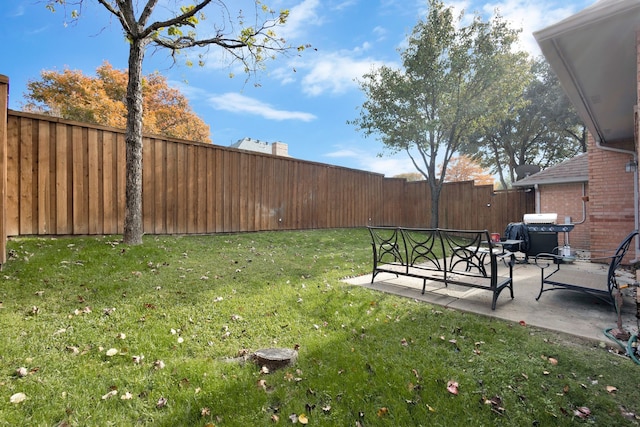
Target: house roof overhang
594	56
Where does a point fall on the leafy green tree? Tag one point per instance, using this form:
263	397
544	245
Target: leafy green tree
455	81
178	26
544	131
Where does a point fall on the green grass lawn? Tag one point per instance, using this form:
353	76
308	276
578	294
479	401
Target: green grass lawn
108	334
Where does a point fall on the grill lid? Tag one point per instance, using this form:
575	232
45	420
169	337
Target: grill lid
542	218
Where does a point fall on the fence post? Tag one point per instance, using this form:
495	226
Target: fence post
4	105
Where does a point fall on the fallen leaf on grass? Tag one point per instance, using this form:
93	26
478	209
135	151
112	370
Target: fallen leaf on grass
22	372
627	414
111	352
302	419
382	412
582	412
162	402
126	396
611	389
110	394
18	398
553	361
452	387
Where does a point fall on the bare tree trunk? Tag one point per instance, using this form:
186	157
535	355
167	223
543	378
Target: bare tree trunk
435	203
133	211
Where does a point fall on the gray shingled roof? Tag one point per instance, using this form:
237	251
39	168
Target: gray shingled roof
575	169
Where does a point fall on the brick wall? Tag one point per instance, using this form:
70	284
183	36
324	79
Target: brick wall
611	203
566	200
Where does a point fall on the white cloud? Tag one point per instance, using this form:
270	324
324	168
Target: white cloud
16	12
380	32
336	72
300	18
345	4
236	103
343	153
530	16
389	165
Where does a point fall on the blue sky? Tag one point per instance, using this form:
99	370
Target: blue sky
303	101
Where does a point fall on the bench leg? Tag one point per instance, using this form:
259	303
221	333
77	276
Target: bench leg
375	273
496	294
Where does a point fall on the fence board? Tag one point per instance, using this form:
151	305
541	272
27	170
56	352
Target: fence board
43	193
121	179
94	193
25	170
149	190
63	177
13	188
108	177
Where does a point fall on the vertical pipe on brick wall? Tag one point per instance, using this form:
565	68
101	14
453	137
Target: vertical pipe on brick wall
4	105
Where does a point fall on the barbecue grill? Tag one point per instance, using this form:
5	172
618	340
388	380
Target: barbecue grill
543	234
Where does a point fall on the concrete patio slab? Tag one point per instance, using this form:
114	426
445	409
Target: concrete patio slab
569	312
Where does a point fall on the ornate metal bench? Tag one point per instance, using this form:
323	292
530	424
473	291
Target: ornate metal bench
433	254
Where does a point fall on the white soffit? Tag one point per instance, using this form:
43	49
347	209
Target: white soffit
594	55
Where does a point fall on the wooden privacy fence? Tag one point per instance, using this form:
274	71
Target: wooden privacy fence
68	178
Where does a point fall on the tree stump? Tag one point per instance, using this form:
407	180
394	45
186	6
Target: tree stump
275	358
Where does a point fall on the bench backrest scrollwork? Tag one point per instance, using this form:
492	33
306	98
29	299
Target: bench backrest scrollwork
616	261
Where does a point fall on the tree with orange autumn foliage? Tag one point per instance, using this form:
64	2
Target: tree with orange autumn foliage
102	100
464	168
